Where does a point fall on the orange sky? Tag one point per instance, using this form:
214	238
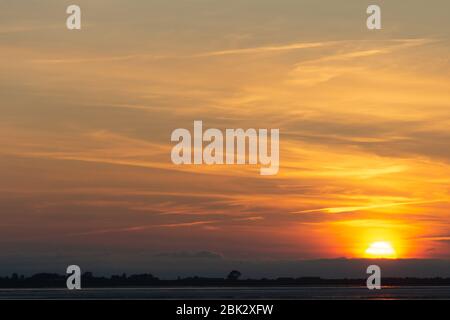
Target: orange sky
86	118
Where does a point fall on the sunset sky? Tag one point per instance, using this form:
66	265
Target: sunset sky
86	118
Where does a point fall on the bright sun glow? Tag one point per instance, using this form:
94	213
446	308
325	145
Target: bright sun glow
381	249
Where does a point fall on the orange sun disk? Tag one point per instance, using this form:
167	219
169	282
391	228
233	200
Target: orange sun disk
381	249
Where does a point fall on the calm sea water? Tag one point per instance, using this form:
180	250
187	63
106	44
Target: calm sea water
232	293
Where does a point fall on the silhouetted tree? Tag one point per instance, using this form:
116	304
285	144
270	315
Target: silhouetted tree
234	275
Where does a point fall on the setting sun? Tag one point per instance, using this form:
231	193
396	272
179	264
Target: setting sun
381	249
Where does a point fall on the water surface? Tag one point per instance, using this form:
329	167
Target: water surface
232	293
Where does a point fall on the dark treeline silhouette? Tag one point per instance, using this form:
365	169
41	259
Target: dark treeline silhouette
88	280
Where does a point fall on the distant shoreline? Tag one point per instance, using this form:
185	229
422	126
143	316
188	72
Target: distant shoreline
51	280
